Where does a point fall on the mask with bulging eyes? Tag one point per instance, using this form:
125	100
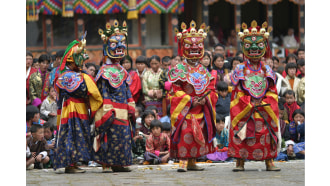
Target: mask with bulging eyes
116	46
193	47
254	46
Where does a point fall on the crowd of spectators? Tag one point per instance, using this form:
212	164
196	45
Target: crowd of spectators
149	87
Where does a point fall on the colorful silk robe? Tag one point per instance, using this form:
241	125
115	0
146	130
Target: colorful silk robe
112	145
46	87
28	76
159	143
193	129
77	93
254	132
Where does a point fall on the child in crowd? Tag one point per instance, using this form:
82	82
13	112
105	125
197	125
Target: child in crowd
290	103
38	147
32	116
50	138
157	145
155	110
295	135
223	103
167	128
147	117
49	107
139	146
283	123
283	118
220	141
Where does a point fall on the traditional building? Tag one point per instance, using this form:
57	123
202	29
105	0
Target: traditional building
51	24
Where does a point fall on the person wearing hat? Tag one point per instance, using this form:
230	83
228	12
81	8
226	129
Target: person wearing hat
77	103
115	120
255	131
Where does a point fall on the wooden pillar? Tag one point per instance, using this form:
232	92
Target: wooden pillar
270	23
49	34
302	25
205	11
143	22
80	28
238	23
175	23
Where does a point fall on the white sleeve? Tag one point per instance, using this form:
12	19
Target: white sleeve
28	152
44	154
43	108
289	142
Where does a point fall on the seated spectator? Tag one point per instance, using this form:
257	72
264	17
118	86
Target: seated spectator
139	146
32	116
223	103
282	156
38	146
147	117
220	141
155	110
232	39
290	40
301	53
49	107
295	136
157	145
167	129
50	138
290	104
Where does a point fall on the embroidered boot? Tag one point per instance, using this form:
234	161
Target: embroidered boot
183	166
120	169
239	165
270	165
192	165
74	169
106	169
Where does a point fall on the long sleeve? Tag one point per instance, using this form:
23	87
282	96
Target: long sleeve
135	86
150	144
301	91
145	88
43	109
162	80
35	86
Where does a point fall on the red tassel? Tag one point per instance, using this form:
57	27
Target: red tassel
269	51
64	61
